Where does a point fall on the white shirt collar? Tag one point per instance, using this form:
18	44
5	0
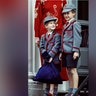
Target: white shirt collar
71	20
50	32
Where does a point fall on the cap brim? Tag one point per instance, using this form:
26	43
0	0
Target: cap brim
66	10
50	20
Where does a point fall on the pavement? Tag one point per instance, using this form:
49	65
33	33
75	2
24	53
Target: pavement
37	89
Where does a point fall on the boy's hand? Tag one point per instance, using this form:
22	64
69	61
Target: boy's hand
46	56
75	55
50	60
60	56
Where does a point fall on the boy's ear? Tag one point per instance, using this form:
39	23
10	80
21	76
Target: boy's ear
74	13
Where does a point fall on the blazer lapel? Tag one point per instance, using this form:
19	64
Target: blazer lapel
65	27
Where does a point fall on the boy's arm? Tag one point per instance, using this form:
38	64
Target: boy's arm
42	42
43	51
56	46
77	39
76	36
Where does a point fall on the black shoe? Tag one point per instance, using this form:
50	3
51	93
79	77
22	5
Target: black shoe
72	94
49	94
69	94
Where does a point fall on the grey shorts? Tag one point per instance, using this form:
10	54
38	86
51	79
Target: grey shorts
68	61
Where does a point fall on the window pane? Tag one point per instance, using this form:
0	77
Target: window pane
82	10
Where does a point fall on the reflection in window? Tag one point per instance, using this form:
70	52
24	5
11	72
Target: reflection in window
84	34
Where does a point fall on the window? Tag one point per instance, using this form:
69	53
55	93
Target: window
82	10
84	34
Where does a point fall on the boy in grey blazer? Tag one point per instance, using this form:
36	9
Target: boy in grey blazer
49	47
71	40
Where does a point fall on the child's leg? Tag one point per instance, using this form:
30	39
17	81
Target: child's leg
46	91
70	82
51	90
70	78
55	89
73	79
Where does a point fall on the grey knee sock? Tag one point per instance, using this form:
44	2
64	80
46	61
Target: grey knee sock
70	90
74	90
55	91
46	91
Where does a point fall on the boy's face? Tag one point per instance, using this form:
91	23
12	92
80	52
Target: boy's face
51	25
69	15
